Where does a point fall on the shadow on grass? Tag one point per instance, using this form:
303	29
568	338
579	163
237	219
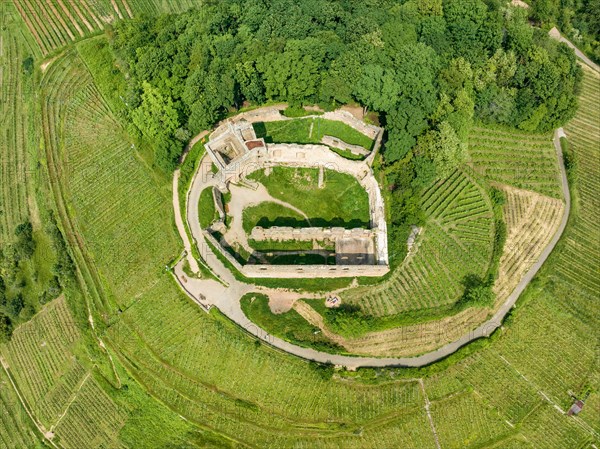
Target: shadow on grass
338	222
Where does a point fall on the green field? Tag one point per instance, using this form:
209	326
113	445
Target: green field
340	202
310	130
207	210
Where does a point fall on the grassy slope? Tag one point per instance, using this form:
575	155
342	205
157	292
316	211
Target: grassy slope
299	131
290	326
206	205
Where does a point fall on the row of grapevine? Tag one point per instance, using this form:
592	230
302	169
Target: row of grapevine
39	356
16	428
115	196
56	23
519	159
531	220
91	420
14	91
583	132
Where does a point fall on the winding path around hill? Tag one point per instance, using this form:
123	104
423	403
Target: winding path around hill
226	297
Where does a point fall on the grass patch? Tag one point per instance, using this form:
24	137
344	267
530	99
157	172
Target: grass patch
299	131
208	212
347	154
271	214
289	326
341	202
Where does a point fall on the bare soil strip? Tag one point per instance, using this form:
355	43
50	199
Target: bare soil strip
127	8
60	19
82	17
116	8
70	16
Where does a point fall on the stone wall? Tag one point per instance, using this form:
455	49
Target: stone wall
340	144
282	233
315	156
370	131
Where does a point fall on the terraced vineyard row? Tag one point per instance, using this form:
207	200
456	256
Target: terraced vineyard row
519	159
91	420
248	408
39	357
464	420
56	23
14	123
456	242
531	221
582	248
107	182
15	428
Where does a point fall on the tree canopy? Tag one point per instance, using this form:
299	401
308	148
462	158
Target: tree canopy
417	64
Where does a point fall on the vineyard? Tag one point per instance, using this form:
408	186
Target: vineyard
221	386
163	339
455	242
15	428
108	182
61	394
552	328
15	91
583	242
56	23
531	222
516	158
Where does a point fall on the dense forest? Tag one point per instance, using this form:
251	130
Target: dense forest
429	69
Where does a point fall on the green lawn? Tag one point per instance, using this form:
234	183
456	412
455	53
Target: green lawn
299	131
290	326
207	211
271	214
341	202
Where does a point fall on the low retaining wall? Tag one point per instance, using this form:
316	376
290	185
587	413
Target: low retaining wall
340	144
280	233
